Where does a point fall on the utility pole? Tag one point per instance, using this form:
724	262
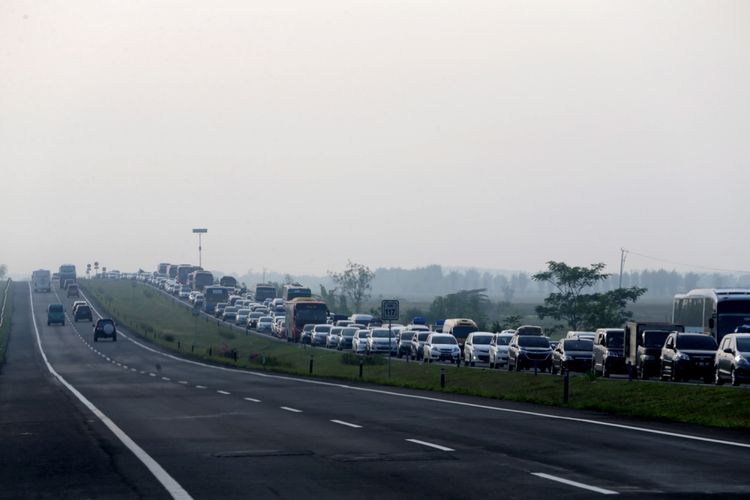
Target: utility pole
623	256
200	231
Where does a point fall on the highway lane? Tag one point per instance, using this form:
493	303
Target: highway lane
209	439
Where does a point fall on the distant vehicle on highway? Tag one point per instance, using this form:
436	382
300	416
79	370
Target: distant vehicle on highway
213	296
67	273
295	291
643	343
201	279
498	351
241	318
529	351
346	337
686	356
252	318
580	335
265	324
332	341
460	328
403	347
609	353
417	344
441	347
228	281
361	319
106	328
301	312
359	341
41	280
732	360
572	355
55	314
477	347
82	312
306	334
229	314
319	334
378	341
72	290
716	311
530	330
264	291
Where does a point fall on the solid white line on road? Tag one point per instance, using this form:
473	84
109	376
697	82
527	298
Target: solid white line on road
574	483
224	392
539	414
348	424
152	374
161	475
125	366
133	370
431	445
142	372
252	400
293	410
201	387
184	382
166	378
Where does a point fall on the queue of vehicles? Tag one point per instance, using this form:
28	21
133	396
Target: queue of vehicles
708	339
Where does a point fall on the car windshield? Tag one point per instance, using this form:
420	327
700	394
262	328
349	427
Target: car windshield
56	308
533	341
322	329
348	332
654	339
482	339
700	342
266	319
578	345
615	339
743	344
422	336
406	335
380	334
443	339
503	339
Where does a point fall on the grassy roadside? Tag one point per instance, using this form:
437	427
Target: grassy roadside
159	319
5	288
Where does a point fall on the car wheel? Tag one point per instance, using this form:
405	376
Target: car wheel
114	338
733	378
96	338
717	377
48	323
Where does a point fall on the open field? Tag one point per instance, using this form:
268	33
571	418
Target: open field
150	314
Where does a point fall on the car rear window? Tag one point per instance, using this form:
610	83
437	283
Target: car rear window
482	339
532	341
56	308
743	344
578	345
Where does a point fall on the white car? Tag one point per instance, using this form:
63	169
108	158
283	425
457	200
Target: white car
378	341
319	334
581	335
332	342
184	292
359	341
499	349
242	315
441	347
477	347
265	324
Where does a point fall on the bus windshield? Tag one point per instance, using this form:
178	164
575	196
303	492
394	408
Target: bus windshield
731	314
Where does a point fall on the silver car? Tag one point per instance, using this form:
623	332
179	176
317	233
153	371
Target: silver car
379	342
359	341
319	334
441	347
477	347
332	342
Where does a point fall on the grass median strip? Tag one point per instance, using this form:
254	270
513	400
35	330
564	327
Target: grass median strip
161	320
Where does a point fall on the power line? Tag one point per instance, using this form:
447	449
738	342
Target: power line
706	268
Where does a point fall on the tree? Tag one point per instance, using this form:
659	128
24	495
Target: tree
355	282
578	309
3	271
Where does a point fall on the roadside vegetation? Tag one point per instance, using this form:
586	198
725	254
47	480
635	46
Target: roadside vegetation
6	311
161	320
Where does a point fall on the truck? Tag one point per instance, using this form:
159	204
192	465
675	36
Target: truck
41	280
67	273
643	343
228	281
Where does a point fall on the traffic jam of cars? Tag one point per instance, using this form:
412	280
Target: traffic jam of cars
714	348
644	350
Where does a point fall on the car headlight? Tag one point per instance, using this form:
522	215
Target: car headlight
647	357
681	356
741	360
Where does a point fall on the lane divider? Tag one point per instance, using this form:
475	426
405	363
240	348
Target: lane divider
584	486
430	445
167	481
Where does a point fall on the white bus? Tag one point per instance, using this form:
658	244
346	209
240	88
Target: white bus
713	311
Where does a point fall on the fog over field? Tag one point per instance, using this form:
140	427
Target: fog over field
480	134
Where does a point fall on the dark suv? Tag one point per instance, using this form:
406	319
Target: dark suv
688	355
82	312
733	359
609	353
105	327
572	355
649	352
529	351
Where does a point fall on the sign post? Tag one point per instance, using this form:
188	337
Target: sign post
389	312
200	231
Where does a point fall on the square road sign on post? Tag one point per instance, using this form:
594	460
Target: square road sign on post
389	310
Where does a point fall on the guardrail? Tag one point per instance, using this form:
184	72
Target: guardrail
5	300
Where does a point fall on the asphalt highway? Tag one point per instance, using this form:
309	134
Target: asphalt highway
212	432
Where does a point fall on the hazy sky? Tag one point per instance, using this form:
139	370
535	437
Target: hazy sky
395	133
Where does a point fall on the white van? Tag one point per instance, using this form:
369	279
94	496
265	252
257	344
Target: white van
41	279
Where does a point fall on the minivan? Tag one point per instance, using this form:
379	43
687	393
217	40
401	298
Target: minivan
609	351
55	314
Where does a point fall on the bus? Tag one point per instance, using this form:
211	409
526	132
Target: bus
162	269
41	279
201	279
303	311
213	294
295	290
228	281
263	292
67	272
172	271
183	271
460	328
715	311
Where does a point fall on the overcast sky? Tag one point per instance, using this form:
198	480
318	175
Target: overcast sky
394	133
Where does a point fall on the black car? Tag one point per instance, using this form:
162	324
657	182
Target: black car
573	355
688	355
529	351
105	327
82	312
649	353
404	344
